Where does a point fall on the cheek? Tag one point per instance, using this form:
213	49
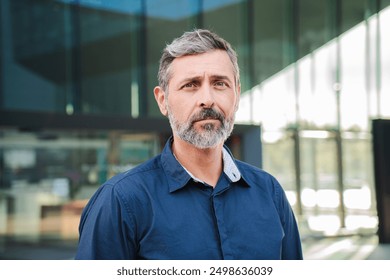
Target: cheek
229	107
182	103
178	110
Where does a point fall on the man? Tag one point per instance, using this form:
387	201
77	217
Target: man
194	200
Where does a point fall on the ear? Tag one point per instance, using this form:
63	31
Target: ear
159	95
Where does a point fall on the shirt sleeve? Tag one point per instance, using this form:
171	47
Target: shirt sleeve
106	228
291	244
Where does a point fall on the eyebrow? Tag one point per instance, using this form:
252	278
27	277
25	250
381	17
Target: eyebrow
212	77
221	77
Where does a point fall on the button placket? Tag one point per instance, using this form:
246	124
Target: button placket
217	205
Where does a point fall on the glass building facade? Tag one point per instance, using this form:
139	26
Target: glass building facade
77	104
316	115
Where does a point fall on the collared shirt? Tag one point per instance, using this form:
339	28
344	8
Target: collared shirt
229	168
158	211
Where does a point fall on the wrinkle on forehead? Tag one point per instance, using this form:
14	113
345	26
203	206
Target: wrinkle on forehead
197	66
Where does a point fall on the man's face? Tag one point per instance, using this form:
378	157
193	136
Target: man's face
203	98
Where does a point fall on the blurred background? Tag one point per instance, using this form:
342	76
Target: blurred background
77	107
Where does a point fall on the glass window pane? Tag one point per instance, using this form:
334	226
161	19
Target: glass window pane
357	159
77	57
46	179
319	183
385	3
275	107
384	100
313	29
319	170
270	38
352	13
108	56
372	69
353	95
359	190
278	157
317	100
35	51
305	98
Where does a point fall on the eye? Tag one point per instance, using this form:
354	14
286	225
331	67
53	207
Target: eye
189	85
221	84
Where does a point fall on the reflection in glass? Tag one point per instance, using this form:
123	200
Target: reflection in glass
35	50
45	181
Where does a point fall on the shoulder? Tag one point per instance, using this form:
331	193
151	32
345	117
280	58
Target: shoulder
128	189
254	175
140	182
132	184
266	184
261	181
150	167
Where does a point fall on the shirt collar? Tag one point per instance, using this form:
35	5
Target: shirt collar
229	167
178	176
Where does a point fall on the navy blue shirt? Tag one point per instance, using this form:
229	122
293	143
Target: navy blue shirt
157	210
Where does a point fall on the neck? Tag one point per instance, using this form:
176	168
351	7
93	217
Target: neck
204	164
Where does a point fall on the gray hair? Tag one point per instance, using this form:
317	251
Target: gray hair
194	42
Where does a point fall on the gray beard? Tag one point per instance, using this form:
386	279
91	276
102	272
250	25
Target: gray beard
211	134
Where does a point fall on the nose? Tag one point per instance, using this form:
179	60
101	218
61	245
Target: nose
206	97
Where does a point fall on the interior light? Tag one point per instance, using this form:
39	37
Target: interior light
328	198
308	197
329	224
358	198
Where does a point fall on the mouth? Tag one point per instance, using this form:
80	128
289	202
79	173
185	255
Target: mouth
207	120
208	116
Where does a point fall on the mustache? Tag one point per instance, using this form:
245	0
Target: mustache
207	113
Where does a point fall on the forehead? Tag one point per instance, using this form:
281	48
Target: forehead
216	62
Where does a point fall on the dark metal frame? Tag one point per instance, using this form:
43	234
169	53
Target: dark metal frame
381	147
